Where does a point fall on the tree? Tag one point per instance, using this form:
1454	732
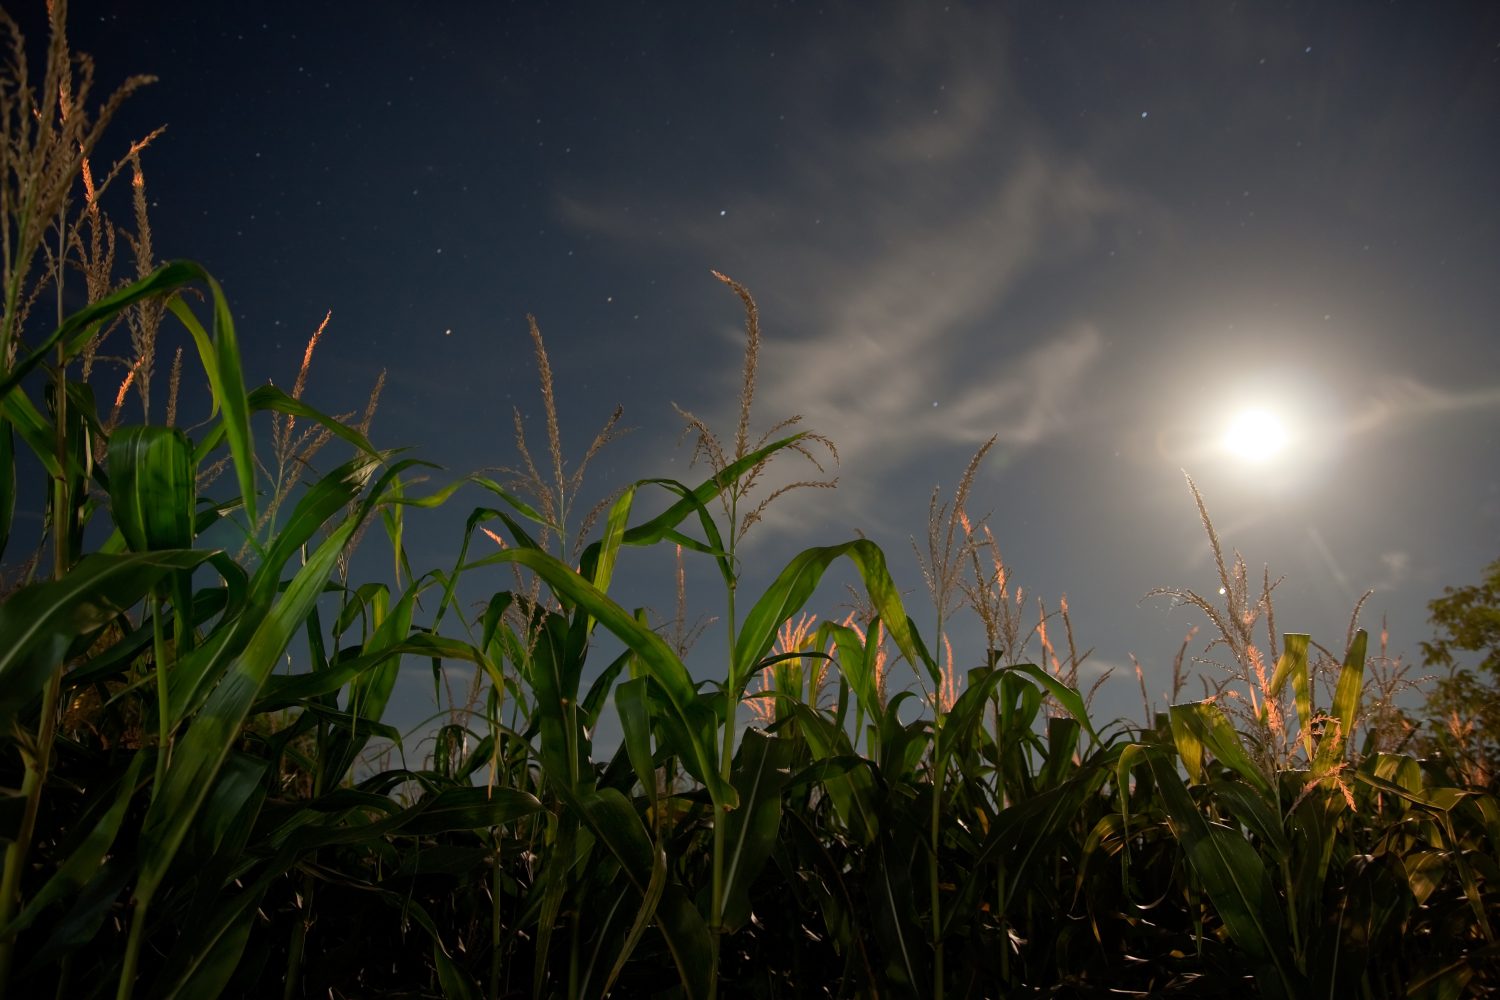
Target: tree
1464	706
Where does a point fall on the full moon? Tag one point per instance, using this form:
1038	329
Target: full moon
1255	436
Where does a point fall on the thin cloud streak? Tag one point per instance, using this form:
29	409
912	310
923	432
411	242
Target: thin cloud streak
924	324
1401	398
904	304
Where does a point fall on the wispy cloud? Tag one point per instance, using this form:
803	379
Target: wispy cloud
1397	398
946	197
1397	569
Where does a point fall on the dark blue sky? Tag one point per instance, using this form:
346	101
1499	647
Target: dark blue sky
1096	230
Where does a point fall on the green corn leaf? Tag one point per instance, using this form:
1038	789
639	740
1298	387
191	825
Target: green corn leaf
598	693
393	521
1257	812
33	428
41	622
79	328
609	910
789	593
230	807
554	678
215	729
696	500
1028	832
212	970
196	674
1439	800
650	902
676	684
957	729
1425	871
692	501
284	691
7	483
1465	869
1024	836
1062	744
206	605
211	946
1293	667
824	770
1069	699
79	926
521	506
1488	810
852	789
370	689
663	527
603	568
1200	725
467	809
545	901
476	518
1234	877
856	662
901	746
760	774
1379	903
445	811
152	487
1345	704
1446	983
80	425
368	603
1021	702
1314	828
635	722
453	981
617	826
1190	747
268	397
219	354
82	864
206	970
888	877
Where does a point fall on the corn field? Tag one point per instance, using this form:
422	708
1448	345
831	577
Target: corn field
849	808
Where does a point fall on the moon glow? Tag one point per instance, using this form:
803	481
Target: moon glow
1255	436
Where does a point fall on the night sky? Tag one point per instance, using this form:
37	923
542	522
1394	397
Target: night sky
1097	230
